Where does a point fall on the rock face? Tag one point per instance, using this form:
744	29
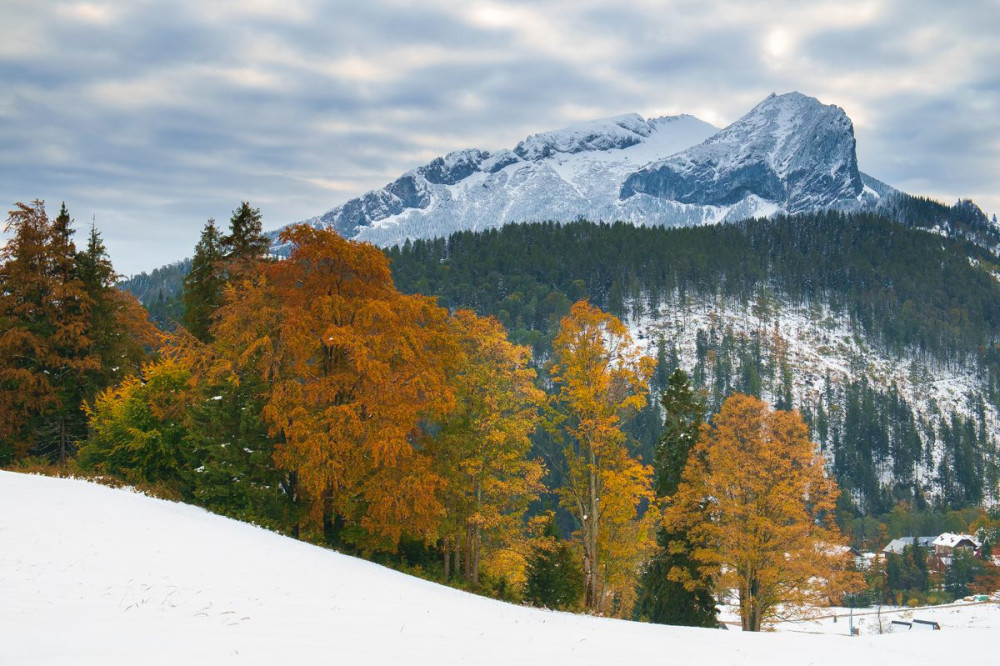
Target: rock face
790	150
789	154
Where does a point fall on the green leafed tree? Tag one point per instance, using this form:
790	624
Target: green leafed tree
140	430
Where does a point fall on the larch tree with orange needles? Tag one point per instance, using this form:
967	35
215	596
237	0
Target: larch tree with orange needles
482	449
758	511
46	352
353	367
601	378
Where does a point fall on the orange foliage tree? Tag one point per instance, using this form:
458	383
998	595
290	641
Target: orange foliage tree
482	448
353	368
602	377
758	508
45	351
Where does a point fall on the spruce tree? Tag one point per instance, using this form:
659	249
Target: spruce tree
203	285
233	470
118	328
246	240
660	599
554	574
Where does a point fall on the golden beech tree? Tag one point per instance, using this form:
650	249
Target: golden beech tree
482	449
601	377
758	508
353	367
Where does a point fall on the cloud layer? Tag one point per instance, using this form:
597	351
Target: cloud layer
152	116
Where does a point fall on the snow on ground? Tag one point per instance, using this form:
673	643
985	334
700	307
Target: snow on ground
977	616
819	344
93	575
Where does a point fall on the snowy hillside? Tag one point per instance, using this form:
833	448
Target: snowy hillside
91	575
826	353
789	154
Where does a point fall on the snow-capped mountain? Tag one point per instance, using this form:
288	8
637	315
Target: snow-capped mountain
790	153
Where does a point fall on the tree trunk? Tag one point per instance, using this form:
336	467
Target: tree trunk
591	527
62	440
446	547
476	535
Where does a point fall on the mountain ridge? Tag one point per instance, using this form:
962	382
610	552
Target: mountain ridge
788	154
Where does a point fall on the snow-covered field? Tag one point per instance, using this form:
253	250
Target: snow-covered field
92	575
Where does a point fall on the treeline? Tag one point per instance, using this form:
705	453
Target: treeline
908	292
311	396
66	333
905	289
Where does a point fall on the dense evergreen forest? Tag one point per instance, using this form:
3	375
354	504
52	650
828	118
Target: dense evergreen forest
908	293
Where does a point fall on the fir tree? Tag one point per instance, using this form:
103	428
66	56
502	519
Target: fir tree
554	574
246	240
660	599
203	285
118	331
232	455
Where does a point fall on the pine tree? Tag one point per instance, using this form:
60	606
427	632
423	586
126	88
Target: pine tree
119	329
554	573
246	241
204	283
232	453
661	599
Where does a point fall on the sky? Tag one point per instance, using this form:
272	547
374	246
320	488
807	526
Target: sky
147	117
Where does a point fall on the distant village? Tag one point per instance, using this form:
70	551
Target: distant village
940	549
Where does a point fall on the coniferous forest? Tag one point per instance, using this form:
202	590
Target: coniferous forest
487	411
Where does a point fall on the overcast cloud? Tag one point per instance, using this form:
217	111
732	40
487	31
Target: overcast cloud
151	116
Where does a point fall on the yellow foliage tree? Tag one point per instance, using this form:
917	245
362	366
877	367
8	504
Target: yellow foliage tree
353	367
758	508
601	377
482	450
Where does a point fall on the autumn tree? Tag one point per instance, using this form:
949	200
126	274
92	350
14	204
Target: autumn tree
203	285
45	351
601	378
661	599
757	508
139	430
354	368
482	448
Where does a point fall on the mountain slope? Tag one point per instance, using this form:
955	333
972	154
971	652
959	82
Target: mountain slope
789	154
790	150
91	575
563	174
885	337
